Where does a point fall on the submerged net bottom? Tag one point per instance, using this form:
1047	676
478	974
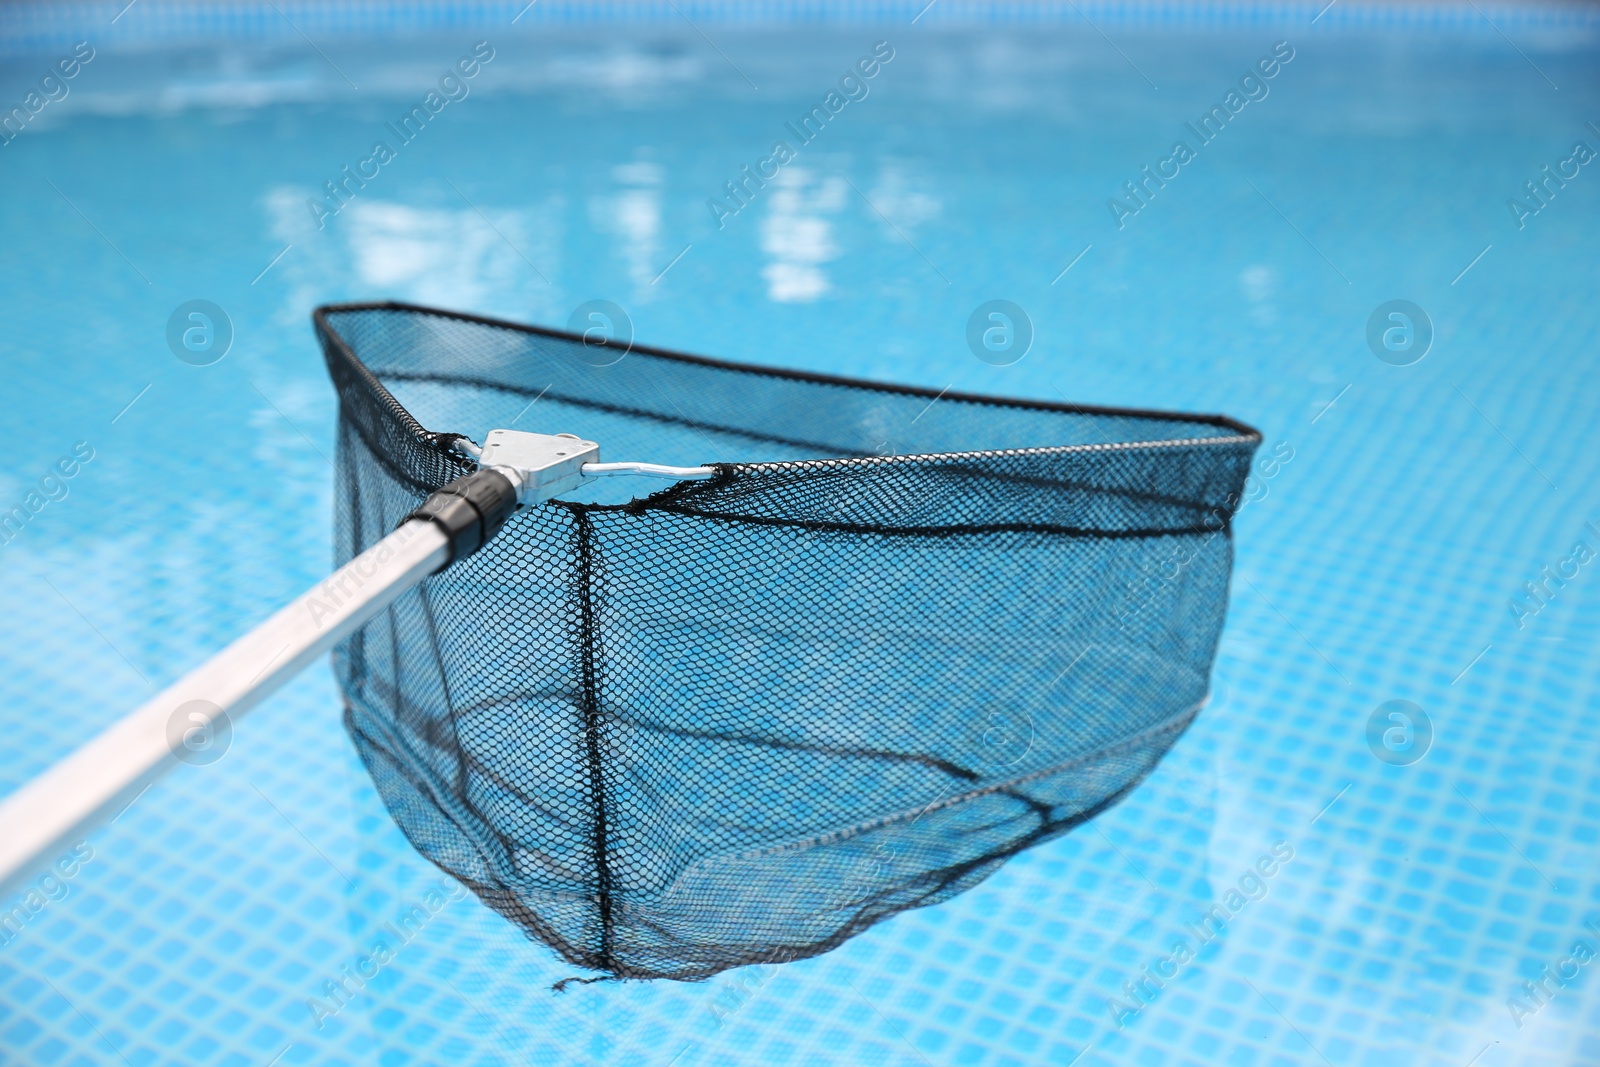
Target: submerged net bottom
744	720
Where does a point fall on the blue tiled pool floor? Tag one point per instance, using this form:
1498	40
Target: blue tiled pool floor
1407	903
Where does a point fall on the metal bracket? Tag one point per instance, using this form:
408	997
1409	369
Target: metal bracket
541	465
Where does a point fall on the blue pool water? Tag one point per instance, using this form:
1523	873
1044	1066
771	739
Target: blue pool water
1379	560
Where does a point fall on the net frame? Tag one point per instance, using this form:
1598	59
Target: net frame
587	911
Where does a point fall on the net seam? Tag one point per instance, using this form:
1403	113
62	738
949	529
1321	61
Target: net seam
926	458
1169	724
1173	723
591	728
823	526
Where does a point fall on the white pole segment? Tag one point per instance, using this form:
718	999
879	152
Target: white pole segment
109	772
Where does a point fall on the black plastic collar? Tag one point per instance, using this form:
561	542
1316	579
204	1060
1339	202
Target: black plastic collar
470	510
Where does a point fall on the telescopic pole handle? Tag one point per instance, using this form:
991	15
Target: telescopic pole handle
104	776
98	780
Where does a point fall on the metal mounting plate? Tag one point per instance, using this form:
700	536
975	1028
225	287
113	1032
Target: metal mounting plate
546	465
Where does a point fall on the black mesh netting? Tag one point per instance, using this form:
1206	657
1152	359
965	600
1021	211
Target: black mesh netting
900	637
